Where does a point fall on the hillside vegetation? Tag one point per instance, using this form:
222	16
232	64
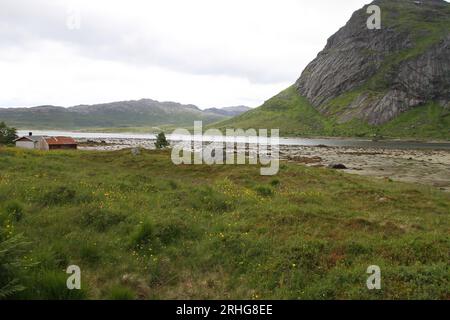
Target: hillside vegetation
141	227
140	115
392	82
295	116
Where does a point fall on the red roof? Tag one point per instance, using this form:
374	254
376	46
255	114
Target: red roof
60	140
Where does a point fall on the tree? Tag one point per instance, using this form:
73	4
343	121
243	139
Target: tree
7	134
161	141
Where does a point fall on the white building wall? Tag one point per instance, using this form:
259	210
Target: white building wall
42	145
25	144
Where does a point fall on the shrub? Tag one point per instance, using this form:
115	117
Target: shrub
170	231
11	263
101	219
173	185
58	196
161	141
264	191
143	235
161	234
211	200
15	210
7	134
52	257
274	182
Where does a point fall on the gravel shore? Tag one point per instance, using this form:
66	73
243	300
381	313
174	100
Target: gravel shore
430	167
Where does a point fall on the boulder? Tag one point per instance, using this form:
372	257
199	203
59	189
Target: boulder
338	166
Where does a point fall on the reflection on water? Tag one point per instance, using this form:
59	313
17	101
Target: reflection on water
332	142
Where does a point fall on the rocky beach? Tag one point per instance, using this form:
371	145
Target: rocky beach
423	166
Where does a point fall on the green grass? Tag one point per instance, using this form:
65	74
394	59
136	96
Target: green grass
140	227
430	120
295	116
287	111
139	119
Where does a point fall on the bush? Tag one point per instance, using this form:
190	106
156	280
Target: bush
275	182
173	185
7	134
264	191
52	257
211	200
101	219
143	235
15	210
161	141
58	196
170	231
11	264
161	234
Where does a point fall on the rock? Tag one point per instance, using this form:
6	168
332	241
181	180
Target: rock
135	151
339	166
355	54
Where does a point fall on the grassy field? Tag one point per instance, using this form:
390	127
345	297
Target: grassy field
140	227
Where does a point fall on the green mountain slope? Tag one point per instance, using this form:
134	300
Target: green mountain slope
295	116
393	82
288	111
124	115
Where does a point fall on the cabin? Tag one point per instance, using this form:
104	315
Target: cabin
29	142
55	143
45	143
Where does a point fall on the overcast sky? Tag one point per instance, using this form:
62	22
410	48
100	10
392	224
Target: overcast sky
206	52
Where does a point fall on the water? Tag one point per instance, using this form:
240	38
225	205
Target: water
331	142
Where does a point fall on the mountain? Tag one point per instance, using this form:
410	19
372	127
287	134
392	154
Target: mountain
124	114
228	111
393	82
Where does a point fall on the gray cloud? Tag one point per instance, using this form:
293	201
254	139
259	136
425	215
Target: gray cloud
27	23
211	53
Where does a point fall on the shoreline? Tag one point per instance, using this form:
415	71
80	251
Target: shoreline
138	133
423	166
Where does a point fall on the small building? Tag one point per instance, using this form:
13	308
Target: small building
45	143
29	142
54	143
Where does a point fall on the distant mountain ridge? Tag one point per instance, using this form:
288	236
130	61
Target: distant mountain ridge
229	111
121	114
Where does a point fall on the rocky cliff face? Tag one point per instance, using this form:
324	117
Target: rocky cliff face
374	75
